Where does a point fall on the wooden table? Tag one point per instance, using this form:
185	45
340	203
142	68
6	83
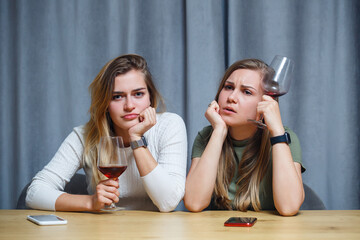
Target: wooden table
341	225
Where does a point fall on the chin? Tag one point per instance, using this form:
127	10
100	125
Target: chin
230	121
238	123
128	124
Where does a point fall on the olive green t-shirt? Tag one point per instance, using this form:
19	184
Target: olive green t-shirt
265	189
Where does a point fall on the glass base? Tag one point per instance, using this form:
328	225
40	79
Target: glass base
112	208
258	123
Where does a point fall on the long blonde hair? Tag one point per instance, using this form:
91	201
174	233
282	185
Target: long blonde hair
100	123
255	159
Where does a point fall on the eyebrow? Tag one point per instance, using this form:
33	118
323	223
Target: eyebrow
247	86
243	86
135	90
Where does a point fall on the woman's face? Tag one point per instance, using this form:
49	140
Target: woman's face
129	98
239	97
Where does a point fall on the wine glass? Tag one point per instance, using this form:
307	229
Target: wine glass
279	82
112	161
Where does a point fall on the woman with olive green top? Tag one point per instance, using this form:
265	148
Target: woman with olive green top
265	188
235	164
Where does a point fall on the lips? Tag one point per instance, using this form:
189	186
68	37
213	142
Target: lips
131	116
229	110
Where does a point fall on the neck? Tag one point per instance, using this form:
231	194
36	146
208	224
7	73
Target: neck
242	132
124	134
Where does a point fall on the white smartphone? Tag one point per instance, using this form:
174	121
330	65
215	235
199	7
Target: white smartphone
46	219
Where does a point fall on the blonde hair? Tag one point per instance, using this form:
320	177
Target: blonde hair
254	161
100	123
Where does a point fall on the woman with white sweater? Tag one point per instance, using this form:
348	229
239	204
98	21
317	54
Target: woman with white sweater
123	103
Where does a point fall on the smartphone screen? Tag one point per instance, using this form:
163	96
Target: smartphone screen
46	219
240	222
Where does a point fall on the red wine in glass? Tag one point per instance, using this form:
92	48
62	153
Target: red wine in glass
275	94
111	161
279	83
112	171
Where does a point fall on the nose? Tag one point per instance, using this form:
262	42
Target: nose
129	105
232	98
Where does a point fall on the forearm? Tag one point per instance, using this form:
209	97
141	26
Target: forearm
145	162
72	202
165	186
201	178
165	189
162	165
288	192
49	183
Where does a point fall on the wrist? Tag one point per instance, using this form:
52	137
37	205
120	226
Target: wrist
285	138
277	132
138	143
89	205
220	132
135	137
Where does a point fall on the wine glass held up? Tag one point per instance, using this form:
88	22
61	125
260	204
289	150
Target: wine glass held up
279	82
112	161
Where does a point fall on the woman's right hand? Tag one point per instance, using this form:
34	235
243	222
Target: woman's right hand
201	178
106	193
213	116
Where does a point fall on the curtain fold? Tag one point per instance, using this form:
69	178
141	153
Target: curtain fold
52	50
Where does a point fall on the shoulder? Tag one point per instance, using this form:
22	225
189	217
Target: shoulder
168	117
79	130
205	132
169	130
203	136
167	126
76	136
169	120
201	141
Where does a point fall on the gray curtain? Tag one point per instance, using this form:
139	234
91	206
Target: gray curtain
51	51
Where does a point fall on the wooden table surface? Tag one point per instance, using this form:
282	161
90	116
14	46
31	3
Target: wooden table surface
324	224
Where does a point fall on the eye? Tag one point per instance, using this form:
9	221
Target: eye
117	97
139	94
228	87
247	92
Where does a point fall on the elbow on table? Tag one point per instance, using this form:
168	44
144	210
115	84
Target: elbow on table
290	207
28	203
288	211
170	204
194	206
31	203
166	209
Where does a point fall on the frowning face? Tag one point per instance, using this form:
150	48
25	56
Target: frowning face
240	96
130	97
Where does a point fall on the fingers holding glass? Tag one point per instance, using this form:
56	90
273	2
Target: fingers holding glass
112	163
279	81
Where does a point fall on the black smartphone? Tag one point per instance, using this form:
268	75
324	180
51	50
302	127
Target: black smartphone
240	222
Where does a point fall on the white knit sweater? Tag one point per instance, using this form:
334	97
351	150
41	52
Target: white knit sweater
162	189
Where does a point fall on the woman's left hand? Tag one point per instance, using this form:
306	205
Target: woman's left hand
269	109
147	119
